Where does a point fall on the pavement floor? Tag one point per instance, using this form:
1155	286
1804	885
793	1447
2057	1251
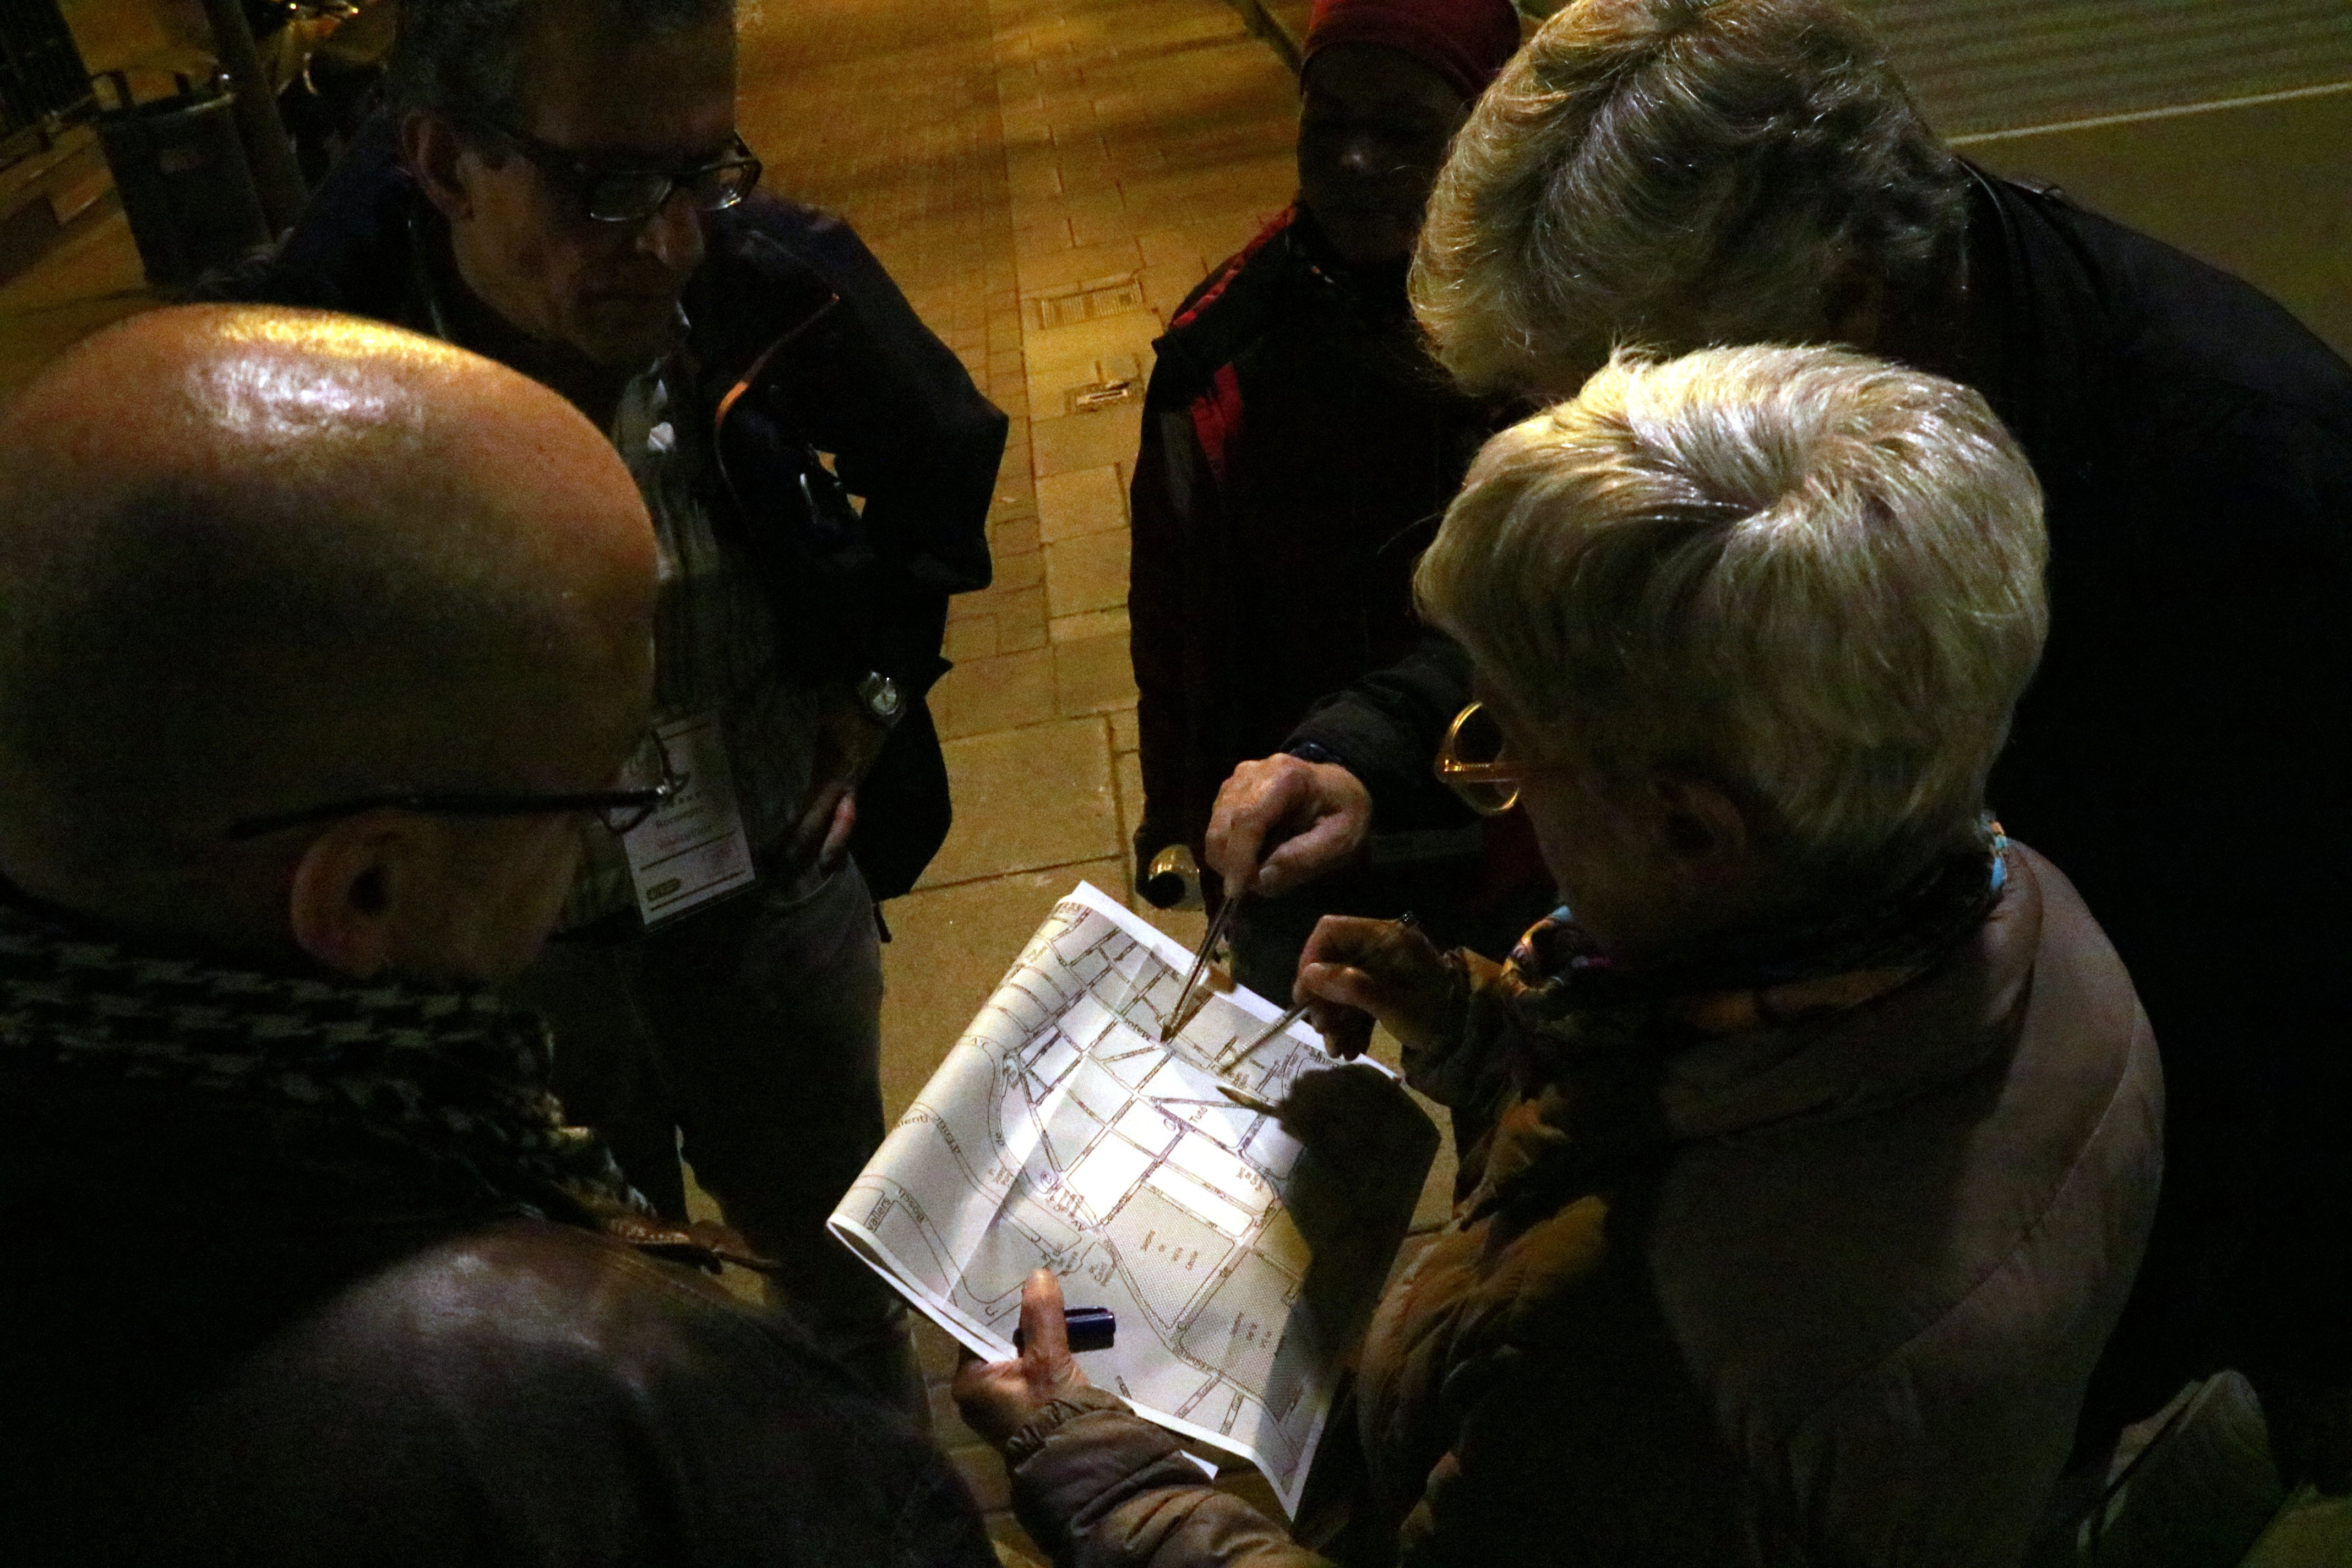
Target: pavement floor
1046	180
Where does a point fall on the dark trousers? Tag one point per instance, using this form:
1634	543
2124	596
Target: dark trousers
749	1030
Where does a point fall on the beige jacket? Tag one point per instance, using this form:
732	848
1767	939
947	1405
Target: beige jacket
1822	1293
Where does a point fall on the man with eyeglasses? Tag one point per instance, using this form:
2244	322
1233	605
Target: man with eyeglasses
303	1263
561	185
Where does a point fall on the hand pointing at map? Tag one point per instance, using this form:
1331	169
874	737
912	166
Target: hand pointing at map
1000	1397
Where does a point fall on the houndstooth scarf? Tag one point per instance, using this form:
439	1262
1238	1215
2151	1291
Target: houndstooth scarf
450	1076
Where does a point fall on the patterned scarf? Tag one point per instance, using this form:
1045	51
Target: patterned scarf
452	1077
1585	1043
1576	1001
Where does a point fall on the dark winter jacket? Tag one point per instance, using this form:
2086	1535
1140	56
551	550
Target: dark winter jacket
303	1271
2195	445
802	345
1298	450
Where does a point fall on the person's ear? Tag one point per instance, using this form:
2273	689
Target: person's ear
1702	829
433	151
354	890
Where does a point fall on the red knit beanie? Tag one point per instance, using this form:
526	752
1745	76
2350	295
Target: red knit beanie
1464	41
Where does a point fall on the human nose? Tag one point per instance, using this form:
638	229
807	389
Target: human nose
673	236
1362	156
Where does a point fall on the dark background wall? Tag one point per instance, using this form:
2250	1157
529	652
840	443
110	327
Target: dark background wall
2223	126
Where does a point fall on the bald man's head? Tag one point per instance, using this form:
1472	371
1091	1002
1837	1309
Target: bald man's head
255	560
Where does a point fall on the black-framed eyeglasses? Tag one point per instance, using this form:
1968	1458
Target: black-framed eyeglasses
646	784
614	191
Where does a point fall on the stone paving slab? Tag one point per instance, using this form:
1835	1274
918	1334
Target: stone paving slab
1086	500
1088	573
1025	799
1089	440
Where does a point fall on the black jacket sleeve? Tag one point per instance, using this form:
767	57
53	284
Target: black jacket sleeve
1172	487
862	380
1385	728
911	432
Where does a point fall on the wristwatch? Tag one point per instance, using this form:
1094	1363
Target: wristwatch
879	696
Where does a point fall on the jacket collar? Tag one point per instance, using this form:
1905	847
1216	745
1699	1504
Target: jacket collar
2042	337
1889	1048
1890	1038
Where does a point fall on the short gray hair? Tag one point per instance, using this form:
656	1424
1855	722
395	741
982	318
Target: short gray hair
1808	576
464	59
1677	173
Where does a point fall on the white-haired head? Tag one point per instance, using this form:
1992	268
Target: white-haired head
1680	173
1810	578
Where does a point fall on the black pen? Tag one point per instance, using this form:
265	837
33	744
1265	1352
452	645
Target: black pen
1089	1328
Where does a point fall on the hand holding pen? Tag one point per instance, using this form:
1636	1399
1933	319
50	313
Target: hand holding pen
1240	1051
1281	822
1354	973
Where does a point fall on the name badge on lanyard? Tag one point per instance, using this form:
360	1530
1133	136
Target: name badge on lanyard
693	849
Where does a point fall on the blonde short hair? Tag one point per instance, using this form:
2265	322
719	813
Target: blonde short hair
1678	174
1811	577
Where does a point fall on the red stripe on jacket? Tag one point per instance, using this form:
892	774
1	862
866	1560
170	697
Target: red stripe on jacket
1217	419
1217	412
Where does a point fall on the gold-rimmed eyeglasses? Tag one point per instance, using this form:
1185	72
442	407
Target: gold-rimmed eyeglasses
1470	763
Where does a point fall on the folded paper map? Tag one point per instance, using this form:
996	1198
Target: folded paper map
1059	1132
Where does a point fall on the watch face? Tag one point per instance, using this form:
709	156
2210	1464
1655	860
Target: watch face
880	695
